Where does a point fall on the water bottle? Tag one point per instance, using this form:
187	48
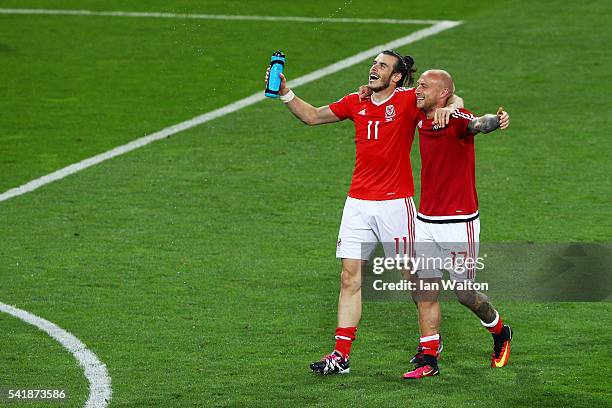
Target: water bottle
277	63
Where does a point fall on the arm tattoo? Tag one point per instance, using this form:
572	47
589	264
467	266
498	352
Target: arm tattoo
484	124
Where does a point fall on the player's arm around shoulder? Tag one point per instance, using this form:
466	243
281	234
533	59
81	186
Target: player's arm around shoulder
488	123
301	109
455	102
442	115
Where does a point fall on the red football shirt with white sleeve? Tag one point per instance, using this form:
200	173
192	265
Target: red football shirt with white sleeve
448	176
384	132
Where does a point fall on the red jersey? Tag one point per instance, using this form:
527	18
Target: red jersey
448	176
384	132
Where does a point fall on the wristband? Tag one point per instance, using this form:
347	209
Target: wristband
288	97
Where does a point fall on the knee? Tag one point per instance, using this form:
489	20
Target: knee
468	297
350	279
463	296
426	305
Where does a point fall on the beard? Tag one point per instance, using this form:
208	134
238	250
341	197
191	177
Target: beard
382	87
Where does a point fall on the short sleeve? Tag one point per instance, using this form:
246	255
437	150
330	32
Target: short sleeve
342	107
462	117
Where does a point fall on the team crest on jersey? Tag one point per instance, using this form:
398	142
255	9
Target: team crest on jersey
389	113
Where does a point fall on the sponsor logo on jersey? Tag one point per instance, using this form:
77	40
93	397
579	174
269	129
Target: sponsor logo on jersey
389	113
420	124
362	112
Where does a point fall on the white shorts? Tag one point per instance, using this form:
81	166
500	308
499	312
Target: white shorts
450	246
367	222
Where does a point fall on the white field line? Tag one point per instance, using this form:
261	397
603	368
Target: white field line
232	107
95	371
212	16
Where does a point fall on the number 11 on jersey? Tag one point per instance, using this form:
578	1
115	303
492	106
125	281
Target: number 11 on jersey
375	129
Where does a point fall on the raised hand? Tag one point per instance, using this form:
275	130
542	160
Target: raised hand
283	85
504	118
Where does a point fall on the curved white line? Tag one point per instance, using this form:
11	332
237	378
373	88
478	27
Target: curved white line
95	371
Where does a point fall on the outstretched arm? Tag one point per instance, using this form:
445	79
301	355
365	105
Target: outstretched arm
488	123
309	114
302	109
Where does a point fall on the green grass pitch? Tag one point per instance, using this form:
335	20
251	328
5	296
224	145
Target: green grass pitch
200	269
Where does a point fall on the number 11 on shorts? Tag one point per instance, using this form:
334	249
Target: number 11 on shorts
397	245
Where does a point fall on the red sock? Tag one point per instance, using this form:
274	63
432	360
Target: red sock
495	326
430	344
344	340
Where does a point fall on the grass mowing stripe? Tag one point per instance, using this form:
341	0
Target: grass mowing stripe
59	12
233	107
95	371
